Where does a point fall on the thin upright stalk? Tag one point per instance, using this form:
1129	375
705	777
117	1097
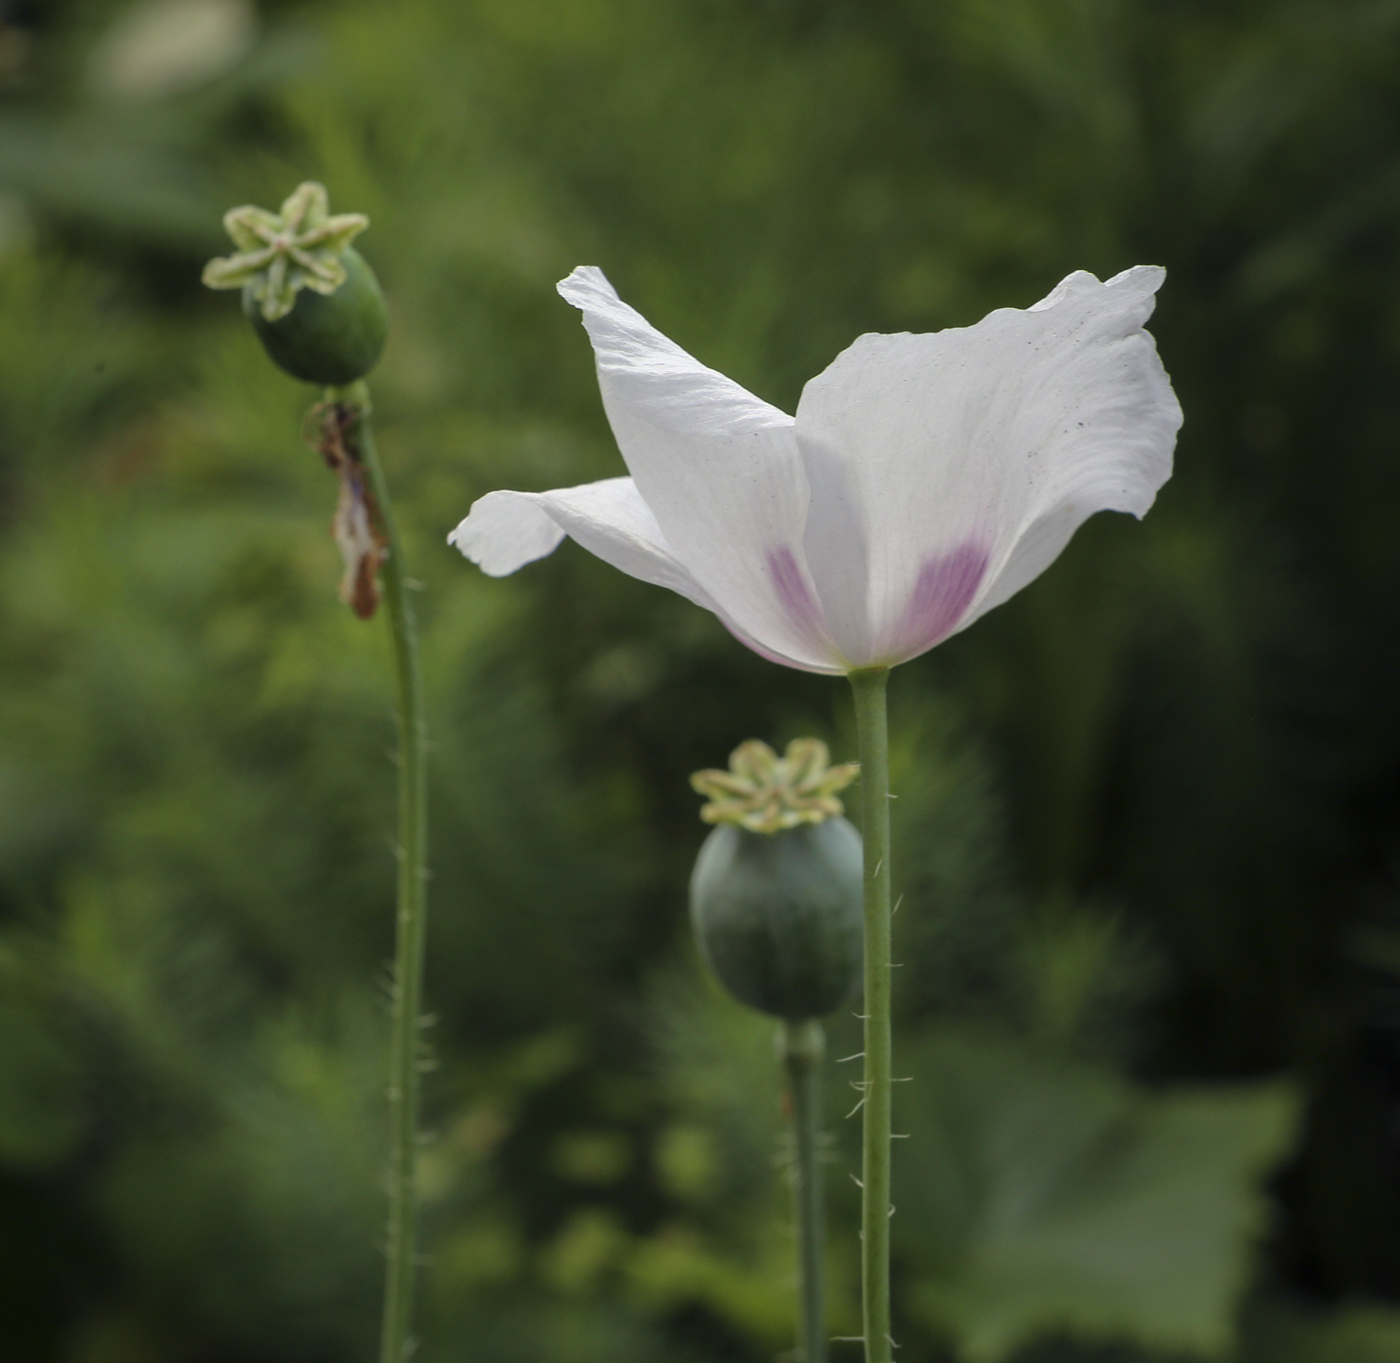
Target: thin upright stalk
396	1340
874	747
801	1045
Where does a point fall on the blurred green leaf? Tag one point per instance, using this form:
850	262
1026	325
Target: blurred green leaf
1044	1197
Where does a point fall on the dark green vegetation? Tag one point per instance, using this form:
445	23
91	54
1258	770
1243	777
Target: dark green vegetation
1148	826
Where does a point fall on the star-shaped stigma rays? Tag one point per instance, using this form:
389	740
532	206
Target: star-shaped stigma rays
766	793
280	253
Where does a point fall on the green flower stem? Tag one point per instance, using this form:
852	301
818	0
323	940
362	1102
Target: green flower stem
396	1344
801	1045
874	744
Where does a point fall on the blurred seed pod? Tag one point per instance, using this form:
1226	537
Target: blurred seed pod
779	918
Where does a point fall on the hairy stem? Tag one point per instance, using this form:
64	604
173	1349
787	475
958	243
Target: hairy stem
801	1045
873	733
396	1341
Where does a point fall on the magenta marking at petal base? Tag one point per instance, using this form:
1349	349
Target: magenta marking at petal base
794	594
942	594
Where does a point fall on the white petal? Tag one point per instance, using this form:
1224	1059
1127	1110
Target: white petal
719	469
959	464
506	530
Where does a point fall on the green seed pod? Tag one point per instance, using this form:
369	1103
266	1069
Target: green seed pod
327	338
311	298
778	916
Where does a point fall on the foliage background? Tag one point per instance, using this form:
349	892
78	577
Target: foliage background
1148	810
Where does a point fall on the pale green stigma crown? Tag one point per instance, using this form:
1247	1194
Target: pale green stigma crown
766	793
279	253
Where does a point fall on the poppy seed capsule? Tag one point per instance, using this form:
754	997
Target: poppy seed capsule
778	916
330	339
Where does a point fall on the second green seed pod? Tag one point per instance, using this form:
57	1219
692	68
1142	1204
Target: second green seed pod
778	916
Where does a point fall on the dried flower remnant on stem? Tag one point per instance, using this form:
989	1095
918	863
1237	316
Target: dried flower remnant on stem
765	793
356	523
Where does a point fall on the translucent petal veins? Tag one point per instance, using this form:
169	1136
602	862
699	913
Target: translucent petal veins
945	588
793	592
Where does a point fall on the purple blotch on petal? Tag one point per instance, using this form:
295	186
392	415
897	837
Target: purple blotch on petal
794	593
942	594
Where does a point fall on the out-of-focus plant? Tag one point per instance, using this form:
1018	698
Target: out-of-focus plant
775	901
318	310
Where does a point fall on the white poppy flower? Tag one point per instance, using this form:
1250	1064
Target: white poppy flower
924	480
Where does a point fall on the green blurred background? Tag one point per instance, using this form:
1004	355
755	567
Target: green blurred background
1149	812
